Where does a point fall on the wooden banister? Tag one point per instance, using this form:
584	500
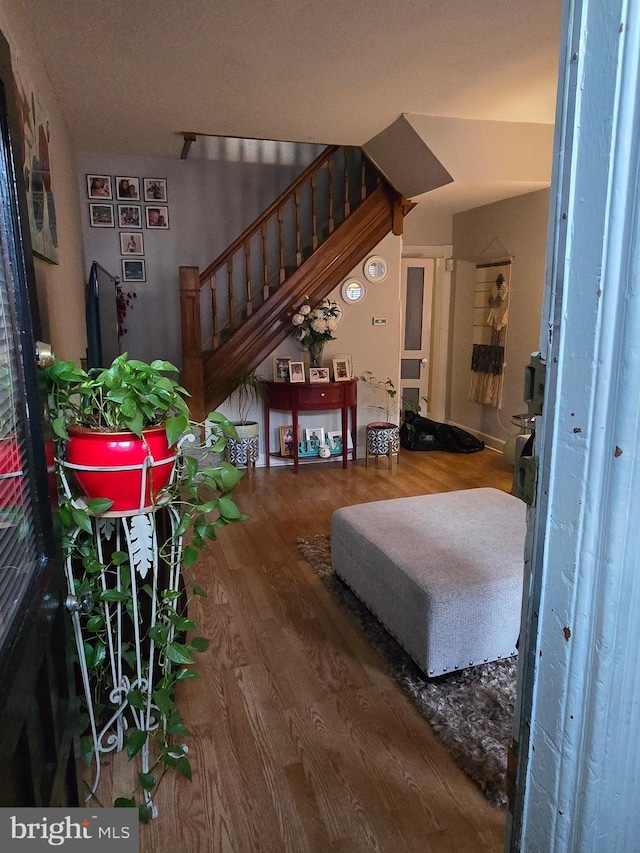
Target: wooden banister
192	363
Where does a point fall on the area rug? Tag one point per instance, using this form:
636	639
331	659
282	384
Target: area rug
470	711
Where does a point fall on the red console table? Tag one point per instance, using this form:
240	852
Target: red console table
298	397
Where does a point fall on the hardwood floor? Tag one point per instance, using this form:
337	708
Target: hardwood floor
301	742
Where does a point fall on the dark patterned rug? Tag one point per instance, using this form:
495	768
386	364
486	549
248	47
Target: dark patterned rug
470	711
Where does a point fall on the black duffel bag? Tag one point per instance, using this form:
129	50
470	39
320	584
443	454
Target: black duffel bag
418	433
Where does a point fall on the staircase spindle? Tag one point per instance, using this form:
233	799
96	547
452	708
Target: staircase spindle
331	222
363	178
265	262
214	311
230	291
297	225
247	275
281	241
347	204
314	212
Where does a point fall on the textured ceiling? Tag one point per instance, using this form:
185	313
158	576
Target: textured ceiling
132	76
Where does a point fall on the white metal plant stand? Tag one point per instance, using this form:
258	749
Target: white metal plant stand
134	661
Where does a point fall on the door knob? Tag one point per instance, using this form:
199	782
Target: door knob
44	355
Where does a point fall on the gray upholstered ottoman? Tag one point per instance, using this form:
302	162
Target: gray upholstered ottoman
443	573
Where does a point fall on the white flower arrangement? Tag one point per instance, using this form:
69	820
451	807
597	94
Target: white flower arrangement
315	324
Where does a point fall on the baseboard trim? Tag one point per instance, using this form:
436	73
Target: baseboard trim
490	441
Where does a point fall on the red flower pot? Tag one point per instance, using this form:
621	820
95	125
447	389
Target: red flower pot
99	452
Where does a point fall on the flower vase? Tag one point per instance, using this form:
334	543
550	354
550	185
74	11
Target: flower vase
315	353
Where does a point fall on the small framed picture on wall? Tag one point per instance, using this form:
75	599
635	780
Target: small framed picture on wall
129	216
157	217
133	270
131	243
101	216
155	189
99	186
127	188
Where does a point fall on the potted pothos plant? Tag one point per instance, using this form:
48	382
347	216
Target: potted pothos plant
245	448
383	437
129	570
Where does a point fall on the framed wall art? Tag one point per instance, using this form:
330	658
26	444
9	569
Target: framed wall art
127	188
129	216
99	186
157	217
131	243
154	189
133	270
101	216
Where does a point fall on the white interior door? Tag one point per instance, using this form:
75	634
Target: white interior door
415	345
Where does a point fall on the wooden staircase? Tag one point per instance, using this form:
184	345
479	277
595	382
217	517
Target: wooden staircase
304	244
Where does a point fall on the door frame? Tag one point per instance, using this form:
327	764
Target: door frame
440	324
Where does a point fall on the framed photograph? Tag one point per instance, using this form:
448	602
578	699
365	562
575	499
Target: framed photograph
154	189
280	369
129	216
157	217
319	374
99	186
127	188
131	243
101	216
334	440
286	439
346	357
296	371
314	434
341	371
133	270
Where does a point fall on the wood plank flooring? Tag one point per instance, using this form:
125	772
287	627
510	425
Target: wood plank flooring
302	743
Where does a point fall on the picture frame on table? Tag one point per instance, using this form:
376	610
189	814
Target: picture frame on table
281	368
157	218
101	216
341	372
127	188
129	216
154	189
296	371
314	434
133	270
334	440
131	243
99	186
286	439
319	374
346	357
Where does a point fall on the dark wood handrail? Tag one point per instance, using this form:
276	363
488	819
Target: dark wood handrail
255	225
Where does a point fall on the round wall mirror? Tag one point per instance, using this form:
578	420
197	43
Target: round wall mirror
353	290
375	268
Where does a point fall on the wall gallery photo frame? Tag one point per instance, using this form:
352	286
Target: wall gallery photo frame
127	188
99	186
133	270
131	243
129	216
154	189
101	216
157	217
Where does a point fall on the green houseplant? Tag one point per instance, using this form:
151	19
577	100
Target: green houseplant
383	437
245	448
130	572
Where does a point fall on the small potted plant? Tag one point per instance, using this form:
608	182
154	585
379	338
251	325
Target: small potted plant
383	437
245	448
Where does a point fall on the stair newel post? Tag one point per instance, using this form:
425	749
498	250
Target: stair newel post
298	236
265	262
281	241
192	364
230	291
247	275
314	212
330	170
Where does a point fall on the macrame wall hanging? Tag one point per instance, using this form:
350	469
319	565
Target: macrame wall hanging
490	319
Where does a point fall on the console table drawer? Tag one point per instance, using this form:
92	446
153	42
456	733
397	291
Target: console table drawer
331	395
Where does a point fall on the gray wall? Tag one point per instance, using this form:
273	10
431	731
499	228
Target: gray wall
210	204
520	225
